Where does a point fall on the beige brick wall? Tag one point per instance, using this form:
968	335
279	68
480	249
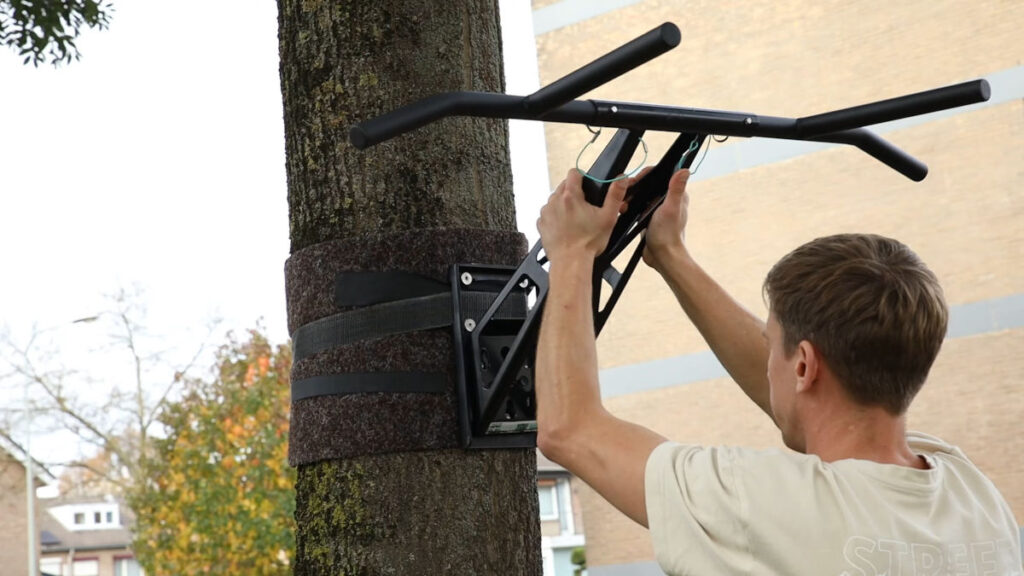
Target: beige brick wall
786	57
795	58
965	221
14	550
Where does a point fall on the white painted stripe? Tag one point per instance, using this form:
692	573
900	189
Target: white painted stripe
974	319
566	12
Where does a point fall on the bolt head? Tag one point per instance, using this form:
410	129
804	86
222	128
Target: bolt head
470	324
466	278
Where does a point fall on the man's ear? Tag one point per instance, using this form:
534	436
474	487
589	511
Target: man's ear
807	367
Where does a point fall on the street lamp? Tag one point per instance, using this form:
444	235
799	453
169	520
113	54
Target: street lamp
30	491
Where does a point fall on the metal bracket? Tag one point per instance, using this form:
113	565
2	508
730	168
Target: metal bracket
493	415
495	353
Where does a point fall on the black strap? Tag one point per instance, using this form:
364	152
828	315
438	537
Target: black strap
368	383
430	308
399	317
366	288
385	319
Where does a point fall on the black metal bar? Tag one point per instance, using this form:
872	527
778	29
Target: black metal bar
607	114
670	119
604	69
895	108
532	107
423	112
881	150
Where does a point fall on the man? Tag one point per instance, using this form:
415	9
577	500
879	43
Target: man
855	322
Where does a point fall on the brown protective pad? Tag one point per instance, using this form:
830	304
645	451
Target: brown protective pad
334	427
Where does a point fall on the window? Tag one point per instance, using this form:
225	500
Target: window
51	565
548	502
97	518
79	517
110	517
89	567
127	567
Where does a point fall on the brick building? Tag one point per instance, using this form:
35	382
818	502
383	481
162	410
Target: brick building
87	536
561	520
752	201
14	544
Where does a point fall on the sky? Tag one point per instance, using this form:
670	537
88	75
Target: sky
155	164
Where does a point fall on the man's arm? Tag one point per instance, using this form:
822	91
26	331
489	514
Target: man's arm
573	427
734	334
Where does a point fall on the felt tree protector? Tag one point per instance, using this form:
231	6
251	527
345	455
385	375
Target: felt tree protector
373	364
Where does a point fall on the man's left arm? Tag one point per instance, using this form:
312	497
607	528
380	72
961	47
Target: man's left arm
574	429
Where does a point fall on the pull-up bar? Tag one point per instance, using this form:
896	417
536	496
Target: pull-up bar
495	352
555	103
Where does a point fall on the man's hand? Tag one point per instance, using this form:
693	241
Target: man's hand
573	427
571	227
667	230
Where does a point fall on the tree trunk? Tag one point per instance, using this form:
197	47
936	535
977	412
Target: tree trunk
365	502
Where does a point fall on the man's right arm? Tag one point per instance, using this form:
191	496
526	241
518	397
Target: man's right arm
735	335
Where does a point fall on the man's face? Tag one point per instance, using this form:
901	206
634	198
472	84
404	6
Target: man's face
782	385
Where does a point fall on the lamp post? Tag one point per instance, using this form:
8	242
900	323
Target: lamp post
30	493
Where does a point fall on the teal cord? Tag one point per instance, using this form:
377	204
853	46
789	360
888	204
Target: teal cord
616	179
693	146
702	157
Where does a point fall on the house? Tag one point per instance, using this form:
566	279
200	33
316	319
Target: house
561	521
14	504
87	536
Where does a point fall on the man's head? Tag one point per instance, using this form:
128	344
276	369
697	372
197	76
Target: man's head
868	308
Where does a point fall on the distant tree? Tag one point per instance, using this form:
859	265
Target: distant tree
90	476
46	30
108	396
219	497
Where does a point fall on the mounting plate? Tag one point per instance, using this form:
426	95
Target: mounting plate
492	414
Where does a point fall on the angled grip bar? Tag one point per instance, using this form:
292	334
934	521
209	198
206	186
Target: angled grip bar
604	69
464	103
895	108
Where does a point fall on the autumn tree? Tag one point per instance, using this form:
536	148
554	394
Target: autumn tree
219	497
383	486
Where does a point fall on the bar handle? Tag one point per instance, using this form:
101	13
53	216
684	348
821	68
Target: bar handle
895	108
562	91
606	68
880	149
430	109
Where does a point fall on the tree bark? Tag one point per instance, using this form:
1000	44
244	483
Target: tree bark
427	512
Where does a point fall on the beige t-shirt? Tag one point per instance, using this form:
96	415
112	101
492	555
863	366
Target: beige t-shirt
743	511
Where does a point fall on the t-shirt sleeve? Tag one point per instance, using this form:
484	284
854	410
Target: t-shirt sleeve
696	511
